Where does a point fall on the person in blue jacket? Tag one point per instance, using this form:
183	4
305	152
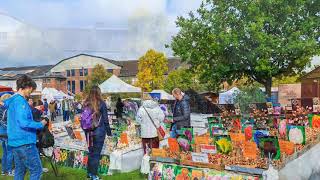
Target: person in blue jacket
96	137
22	131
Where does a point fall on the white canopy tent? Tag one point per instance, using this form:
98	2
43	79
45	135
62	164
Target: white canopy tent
228	96
116	85
53	94
163	94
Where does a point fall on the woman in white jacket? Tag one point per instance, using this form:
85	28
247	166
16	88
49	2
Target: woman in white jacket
148	130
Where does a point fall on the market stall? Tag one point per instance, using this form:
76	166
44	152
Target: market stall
71	147
5	88
267	143
53	94
228	96
116	85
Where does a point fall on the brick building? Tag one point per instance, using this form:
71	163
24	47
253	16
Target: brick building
70	74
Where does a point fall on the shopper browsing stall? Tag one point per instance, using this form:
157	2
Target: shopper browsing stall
7	156
149	116
95	123
181	109
22	130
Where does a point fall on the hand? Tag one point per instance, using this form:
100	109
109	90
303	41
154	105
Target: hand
44	122
1	103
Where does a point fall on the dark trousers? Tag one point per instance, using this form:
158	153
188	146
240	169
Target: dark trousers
94	155
66	115
53	116
151	142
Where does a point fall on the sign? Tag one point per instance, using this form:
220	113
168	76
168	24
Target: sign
210	149
249	150
237	137
173	144
124	138
78	135
287	92
200	131
158	152
200	157
286	147
201	140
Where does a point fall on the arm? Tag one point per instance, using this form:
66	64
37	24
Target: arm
104	111
24	118
185	112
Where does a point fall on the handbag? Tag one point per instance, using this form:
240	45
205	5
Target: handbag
161	133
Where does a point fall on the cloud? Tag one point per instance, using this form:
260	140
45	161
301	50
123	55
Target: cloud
150	24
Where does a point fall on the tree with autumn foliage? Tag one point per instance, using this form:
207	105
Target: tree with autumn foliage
98	76
151	70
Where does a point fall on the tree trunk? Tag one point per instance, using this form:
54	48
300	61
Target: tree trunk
268	86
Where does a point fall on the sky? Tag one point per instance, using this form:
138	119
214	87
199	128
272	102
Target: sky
49	14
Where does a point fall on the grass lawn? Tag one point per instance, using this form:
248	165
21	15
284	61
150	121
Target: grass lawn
66	173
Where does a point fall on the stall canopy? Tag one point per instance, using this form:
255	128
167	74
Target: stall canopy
116	85
5	88
53	94
163	94
228	96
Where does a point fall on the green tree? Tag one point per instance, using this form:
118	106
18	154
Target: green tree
151	69
98	76
260	40
183	79
248	95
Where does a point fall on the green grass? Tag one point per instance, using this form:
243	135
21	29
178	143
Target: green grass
66	173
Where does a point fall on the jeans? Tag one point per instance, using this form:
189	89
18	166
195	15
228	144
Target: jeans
66	115
94	155
27	157
7	156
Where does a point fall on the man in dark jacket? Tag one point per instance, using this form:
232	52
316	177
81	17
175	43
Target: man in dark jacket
181	109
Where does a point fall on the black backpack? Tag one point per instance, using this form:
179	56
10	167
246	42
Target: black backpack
45	137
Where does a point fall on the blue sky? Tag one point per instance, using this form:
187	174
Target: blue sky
86	13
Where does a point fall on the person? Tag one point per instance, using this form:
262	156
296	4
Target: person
181	111
22	130
65	109
149	117
52	109
97	136
45	106
119	107
7	157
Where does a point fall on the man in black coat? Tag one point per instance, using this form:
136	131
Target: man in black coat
181	109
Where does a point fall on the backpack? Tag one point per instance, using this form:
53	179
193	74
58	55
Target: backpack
45	138
3	117
88	119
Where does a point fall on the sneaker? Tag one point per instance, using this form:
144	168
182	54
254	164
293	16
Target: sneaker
11	174
45	170
95	177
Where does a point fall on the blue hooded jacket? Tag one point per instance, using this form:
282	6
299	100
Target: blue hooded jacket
21	126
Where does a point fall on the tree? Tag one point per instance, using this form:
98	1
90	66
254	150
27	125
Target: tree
151	69
248	95
98	76
260	40
183	79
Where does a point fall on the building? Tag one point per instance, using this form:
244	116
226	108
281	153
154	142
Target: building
310	84
70	75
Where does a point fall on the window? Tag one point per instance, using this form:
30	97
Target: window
73	72
80	72
82	85
110	70
69	86
85	72
73	87
68	73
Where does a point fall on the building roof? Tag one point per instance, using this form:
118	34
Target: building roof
130	68
312	74
12	73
